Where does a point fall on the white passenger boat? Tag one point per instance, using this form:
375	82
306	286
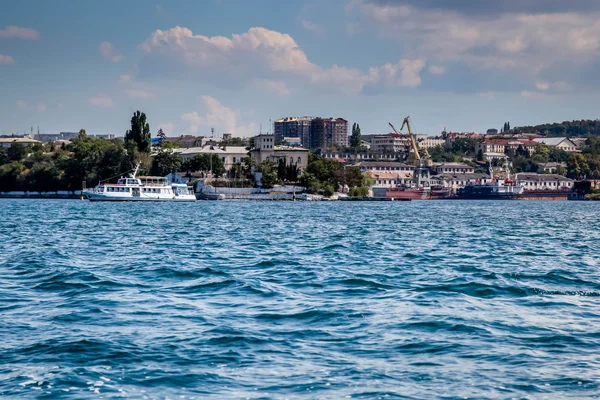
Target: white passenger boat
143	188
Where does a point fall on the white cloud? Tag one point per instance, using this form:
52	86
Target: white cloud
217	116
138	93
41	107
488	95
526	41
21	104
6	60
101	100
20	33
558	86
437	69
137	89
109	52
276	87
404	73
312	27
194	121
263	54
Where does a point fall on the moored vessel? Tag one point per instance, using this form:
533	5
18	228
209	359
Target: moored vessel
143	188
497	189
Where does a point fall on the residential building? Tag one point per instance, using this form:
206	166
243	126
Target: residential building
384	166
265	150
293	127
24	141
454	168
562	143
328	132
533	181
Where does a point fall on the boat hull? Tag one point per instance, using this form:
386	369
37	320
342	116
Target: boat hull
101	197
416	194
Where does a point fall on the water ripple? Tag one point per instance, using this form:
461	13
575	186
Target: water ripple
299	300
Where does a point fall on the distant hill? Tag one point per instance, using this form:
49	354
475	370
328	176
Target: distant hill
566	128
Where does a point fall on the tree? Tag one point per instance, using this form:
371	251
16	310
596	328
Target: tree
161	135
269	179
166	162
480	155
205	163
139	132
355	139
16	152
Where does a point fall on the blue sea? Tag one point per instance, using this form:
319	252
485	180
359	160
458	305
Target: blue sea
315	300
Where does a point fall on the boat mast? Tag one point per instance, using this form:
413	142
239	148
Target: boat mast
137	167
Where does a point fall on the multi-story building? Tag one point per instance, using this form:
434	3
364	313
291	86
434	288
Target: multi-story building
266	150
428	142
454	168
293	127
328	132
390	143
313	132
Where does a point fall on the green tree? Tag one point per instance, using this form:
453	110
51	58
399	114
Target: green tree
161	135
11	176
355	139
269	179
16	152
4	158
480	155
205	163
165	162
139	132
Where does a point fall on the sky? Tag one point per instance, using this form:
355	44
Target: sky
234	65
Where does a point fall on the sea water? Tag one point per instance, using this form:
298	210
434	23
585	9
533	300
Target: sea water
455	299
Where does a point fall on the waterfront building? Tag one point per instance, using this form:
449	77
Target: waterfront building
385	166
390	179
266	150
453	168
532	181
562	143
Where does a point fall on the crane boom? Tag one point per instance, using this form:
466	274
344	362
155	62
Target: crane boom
412	144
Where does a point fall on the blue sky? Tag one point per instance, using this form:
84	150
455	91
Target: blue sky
235	64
